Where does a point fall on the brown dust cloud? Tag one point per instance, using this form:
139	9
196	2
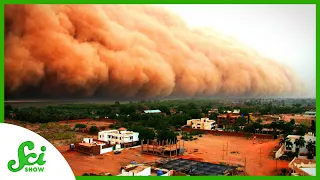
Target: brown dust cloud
128	51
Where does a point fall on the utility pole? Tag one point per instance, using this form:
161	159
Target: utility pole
222	151
227	150
245	165
260	157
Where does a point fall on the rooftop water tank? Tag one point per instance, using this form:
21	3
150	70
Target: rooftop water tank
159	173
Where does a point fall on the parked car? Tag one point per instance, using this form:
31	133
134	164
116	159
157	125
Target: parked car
117	152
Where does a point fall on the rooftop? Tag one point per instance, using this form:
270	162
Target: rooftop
300	161
197	168
135	168
152	111
311	171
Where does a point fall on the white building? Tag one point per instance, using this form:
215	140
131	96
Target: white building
308	137
203	123
310	113
118	137
142	170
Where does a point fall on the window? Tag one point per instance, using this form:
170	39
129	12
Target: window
120	138
131	137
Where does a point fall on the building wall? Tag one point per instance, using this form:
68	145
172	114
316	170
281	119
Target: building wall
280	151
88	140
203	123
105	150
113	138
145	172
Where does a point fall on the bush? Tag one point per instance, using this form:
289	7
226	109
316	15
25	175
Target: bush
80	126
103	128
310	156
196	132
93	129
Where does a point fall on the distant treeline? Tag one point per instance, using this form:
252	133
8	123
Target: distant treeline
184	109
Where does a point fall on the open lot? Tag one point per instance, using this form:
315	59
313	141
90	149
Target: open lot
236	150
107	162
209	149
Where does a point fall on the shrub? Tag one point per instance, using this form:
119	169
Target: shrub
80	126
310	156
93	129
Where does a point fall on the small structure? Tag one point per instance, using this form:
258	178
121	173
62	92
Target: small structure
163	149
303	167
203	123
157	111
143	170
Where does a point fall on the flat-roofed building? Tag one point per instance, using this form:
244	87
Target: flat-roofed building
125	138
203	123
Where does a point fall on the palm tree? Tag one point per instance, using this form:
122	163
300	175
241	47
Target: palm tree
287	142
311	146
299	143
282	141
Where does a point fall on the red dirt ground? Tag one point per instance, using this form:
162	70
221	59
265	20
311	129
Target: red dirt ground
108	162
209	150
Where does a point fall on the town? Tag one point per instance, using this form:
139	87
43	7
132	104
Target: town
197	137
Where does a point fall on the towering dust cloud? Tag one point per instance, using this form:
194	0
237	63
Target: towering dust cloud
128	51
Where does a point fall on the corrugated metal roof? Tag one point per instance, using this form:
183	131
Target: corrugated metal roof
152	111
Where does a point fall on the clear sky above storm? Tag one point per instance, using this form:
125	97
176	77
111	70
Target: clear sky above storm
147	51
286	33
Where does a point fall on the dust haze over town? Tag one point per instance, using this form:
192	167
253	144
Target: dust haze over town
124	52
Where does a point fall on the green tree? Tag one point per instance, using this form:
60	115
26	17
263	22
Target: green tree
311	146
144	133
93	129
299	143
241	121
213	116
194	114
8	107
164	109
292	121
259	120
80	126
302	129
164	135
